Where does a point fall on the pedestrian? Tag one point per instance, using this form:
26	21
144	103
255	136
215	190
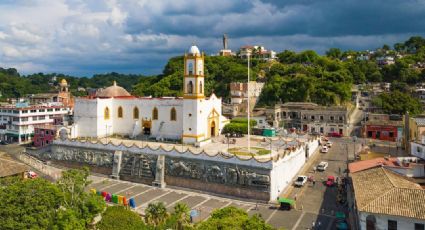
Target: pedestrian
314	182
313	225
295	197
339	170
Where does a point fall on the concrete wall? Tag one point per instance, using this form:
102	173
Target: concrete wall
382	221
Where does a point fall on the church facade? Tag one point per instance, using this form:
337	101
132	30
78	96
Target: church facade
193	118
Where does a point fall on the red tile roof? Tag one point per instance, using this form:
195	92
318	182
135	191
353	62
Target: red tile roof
368	164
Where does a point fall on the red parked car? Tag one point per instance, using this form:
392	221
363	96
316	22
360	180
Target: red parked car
334	135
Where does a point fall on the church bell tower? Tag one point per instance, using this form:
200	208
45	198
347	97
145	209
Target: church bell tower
193	96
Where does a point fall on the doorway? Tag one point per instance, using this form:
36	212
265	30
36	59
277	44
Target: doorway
213	129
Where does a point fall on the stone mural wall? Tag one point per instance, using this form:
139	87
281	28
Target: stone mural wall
211	176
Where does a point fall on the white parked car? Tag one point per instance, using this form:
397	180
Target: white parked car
301	180
322	166
324	149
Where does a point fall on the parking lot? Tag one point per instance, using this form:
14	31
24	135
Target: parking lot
314	203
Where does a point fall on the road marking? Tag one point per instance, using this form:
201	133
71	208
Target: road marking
203	202
141	193
152	200
172	203
298	221
112	184
250	208
125	189
271	215
228	203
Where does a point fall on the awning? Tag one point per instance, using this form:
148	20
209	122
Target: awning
286	200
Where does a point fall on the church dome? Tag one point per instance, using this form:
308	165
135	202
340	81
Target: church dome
63	82
194	50
113	91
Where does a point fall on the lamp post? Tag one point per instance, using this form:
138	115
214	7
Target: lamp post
248	110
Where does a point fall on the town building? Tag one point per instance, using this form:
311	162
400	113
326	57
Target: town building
44	135
18	121
310	117
194	118
386	60
384	199
63	96
384	127
258	52
239	96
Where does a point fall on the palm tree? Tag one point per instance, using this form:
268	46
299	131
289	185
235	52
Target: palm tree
156	214
182	216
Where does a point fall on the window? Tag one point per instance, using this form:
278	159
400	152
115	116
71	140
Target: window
391	134
312	117
15	119
305	117
173	115
33	111
41	110
49	110
120	112
41	118
340	118
190	87
24	119
190	67
321	118
50	116
106	114
24	111
418	149
34	118
58	109
332	118
155	114
135	113
392	225
200	86
419	226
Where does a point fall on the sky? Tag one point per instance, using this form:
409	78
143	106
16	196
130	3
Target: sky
86	37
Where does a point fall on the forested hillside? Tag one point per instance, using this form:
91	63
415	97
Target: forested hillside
303	76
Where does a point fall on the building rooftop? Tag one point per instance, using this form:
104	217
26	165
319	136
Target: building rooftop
10	168
379	190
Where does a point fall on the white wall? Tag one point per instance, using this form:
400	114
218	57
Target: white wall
286	169
382	221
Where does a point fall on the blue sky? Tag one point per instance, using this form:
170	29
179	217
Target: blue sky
84	37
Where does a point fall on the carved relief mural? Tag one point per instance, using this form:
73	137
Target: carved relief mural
140	165
87	156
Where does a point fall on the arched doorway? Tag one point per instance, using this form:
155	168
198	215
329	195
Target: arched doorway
213	129
370	222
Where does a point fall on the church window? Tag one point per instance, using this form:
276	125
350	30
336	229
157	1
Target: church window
200	87
135	113
120	112
155	114
190	87
173	114
190	67
106	113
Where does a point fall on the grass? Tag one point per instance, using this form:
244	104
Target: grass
242	151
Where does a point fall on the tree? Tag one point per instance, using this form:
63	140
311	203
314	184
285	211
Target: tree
156	214
75	200
29	204
120	218
334	53
397	102
233	218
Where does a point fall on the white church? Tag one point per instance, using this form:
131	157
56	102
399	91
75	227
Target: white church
192	118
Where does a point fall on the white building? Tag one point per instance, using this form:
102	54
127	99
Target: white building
387	200
17	121
193	118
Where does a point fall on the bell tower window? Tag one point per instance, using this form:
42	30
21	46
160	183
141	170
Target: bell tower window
190	68
201	87
120	112
190	87
173	114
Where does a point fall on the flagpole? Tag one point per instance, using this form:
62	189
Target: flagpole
249	123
